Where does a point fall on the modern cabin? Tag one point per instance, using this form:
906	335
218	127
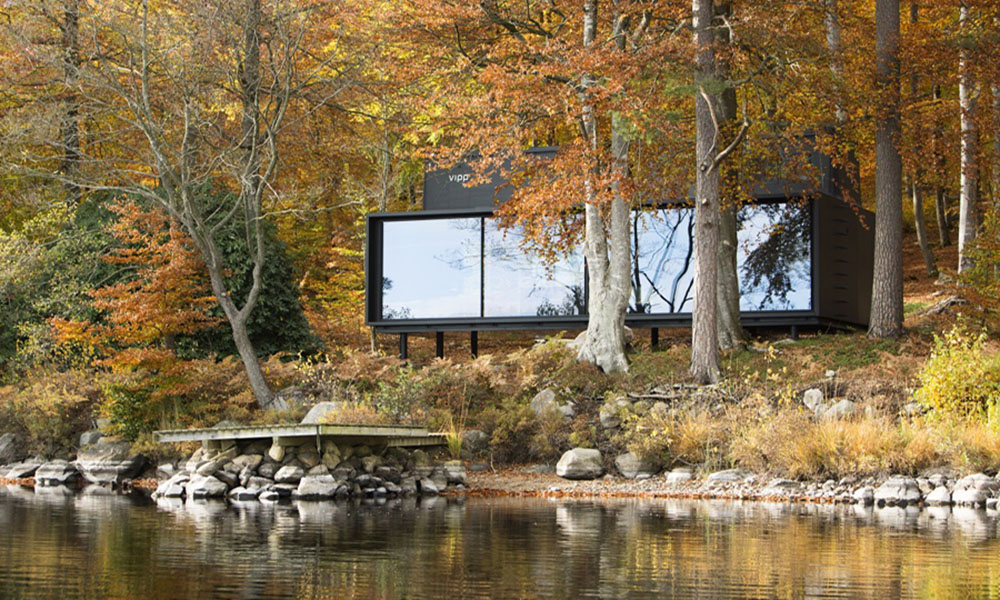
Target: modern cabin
804	260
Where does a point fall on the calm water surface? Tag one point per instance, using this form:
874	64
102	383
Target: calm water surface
92	546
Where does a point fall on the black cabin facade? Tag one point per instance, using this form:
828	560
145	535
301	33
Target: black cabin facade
804	260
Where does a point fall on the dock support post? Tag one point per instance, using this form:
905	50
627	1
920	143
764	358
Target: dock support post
439	344
654	338
794	332
402	346
474	342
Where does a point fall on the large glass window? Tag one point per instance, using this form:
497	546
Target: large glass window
519	284
431	268
774	257
662	261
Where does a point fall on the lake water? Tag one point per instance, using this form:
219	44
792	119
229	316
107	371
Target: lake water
103	546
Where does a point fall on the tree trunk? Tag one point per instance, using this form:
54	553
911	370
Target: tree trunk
970	167
704	326
995	167
887	288
915	190
606	244
849	181
921	226
70	126
731	333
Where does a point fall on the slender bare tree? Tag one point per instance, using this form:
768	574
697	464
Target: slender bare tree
968	96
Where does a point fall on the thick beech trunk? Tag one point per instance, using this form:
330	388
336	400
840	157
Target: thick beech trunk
887	287
606	239
731	333
704	326
969	179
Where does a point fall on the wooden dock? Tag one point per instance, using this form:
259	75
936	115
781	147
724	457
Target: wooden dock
400	436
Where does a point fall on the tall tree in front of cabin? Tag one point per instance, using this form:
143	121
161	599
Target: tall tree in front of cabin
887	288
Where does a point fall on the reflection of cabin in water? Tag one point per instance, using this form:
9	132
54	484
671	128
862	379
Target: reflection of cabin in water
804	260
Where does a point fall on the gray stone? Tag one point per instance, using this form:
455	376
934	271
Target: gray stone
475	442
969	497
289	474
781	487
940	496
898	490
580	463
251	461
478	467
316	487
23	469
165	471
276	453
660	408
454	472
421	458
979	481
631	466
680	475
109	462
609	415
812	398
206	487
242	494
258	483
88	438
864	495
330	459
309	458
318	470
841	410
408	486
268	469
230	479
568	410
175	487
429	487
370	462
269	495
11	449
56	472
729	476
544	404
324	412
207	469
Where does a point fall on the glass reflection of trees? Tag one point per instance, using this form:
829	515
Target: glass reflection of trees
662	261
431	268
469	267
518	283
774	257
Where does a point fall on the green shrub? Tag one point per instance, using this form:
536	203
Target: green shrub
512	428
960	378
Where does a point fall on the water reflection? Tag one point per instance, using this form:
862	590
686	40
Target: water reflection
98	546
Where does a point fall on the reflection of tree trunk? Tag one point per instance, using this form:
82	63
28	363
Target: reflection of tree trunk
970	166
70	125
887	288
731	334
704	320
917	193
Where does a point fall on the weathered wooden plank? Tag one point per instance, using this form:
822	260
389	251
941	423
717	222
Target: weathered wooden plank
392	435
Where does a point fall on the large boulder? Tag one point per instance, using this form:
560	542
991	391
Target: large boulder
175	487
841	410
633	467
89	438
322	413
289	474
812	398
544	403
940	496
580	463
56	472
205	487
316	487
729	476
974	490
898	490
109	462
474	442
11	449
23	469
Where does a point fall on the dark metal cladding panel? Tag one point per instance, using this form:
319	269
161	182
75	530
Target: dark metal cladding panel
844	255
447	189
